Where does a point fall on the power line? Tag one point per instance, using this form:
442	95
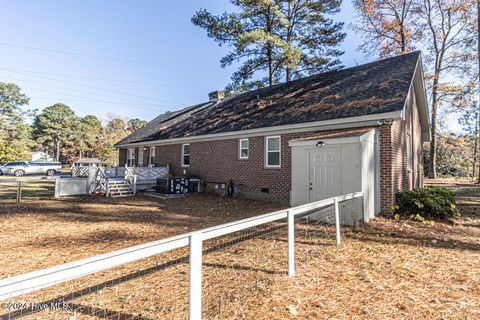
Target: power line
102	57
97	88
106	79
93	101
88	99
96	94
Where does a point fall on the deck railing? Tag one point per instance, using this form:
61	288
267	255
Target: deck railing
143	173
21	284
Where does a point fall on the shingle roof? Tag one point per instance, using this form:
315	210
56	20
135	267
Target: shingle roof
378	87
89	160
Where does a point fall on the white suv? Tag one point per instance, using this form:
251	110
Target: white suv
21	168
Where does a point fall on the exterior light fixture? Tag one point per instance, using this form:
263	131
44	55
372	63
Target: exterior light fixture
320	144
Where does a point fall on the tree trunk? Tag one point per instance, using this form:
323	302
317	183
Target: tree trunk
432	167
475	146
288	73
57	150
403	40
478	54
270	51
271	81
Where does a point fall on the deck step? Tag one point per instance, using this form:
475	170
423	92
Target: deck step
119	188
122	195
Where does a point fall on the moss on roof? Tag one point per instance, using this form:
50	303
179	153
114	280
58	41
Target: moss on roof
377	87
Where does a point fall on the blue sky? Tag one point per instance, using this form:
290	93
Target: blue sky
129	58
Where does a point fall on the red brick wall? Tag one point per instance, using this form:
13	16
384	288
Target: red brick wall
217	162
386	173
394	175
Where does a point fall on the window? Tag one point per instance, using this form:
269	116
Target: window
130	157
272	152
185	155
244	148
151	156
15	164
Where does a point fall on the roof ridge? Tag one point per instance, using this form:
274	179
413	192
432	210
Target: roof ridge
277	85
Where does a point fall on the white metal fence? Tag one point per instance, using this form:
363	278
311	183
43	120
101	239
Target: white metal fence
200	244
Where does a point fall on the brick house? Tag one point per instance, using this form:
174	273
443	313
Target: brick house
356	129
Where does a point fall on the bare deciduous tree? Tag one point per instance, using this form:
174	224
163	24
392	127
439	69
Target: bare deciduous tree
443	28
386	26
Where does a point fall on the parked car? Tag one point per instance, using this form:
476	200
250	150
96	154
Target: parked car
21	168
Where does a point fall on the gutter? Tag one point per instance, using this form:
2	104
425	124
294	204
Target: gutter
351	122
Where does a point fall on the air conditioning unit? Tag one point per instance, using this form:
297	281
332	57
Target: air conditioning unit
173	185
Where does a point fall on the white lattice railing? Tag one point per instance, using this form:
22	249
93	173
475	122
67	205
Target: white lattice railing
143	173
21	284
151	173
99	182
80	172
99	176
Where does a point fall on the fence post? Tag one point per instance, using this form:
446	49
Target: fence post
57	188
19	191
195	276
337	221
135	184
291	243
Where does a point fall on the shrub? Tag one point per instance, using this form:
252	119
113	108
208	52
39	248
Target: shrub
428	202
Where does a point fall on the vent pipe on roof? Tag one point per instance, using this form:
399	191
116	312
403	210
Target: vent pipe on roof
216	95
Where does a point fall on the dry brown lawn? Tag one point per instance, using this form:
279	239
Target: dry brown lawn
387	269
41	233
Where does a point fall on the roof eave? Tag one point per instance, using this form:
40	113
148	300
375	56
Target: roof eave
341	123
421	98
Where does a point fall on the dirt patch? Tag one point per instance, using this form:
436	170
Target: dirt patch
387	269
42	233
391	270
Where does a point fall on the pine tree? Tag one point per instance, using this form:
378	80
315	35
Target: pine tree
88	131
275	39
55	127
15	134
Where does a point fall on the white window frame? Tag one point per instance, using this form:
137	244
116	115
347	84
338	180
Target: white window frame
151	156
240	149
279	151
183	155
130	157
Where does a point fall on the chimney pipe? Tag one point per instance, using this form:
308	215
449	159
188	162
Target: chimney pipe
217	95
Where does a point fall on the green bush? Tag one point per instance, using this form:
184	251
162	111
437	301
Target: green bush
428	202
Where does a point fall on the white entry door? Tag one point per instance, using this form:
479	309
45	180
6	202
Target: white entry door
324	173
